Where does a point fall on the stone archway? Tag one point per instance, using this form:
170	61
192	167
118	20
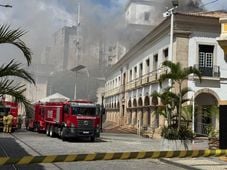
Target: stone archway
155	118
140	113
129	112
146	112
146	101
134	113
140	102
206	110
129	103
134	103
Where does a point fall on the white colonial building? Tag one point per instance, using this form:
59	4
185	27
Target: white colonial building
134	77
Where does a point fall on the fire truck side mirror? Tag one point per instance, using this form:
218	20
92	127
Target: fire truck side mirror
66	109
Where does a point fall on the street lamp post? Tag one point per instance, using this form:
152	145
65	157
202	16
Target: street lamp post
193	112
75	69
88	82
170	12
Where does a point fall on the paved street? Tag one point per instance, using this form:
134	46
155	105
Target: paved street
30	143
26	143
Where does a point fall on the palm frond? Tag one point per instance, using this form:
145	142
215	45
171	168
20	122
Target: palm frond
16	91
14	69
192	70
13	37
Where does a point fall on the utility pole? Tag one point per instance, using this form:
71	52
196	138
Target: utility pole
170	12
78	36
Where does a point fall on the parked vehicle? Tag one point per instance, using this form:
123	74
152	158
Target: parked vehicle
37	122
70	119
9	107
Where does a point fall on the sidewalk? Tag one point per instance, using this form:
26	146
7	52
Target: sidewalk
203	163
200	143
212	163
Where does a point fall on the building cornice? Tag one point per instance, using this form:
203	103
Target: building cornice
184	24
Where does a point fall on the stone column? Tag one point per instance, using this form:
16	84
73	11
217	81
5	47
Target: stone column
161	121
116	115
140	118
145	117
111	116
129	116
134	116
153	121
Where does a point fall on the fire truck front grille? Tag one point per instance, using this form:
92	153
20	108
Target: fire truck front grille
85	124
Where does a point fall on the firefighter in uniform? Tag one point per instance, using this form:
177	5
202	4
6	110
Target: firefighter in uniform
5	122
9	123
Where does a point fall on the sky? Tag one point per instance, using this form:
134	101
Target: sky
41	18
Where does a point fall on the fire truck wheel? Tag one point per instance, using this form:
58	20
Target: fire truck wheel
63	134
92	138
52	131
35	128
38	128
48	130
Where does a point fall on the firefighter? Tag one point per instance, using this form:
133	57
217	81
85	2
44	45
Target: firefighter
9	123
5	122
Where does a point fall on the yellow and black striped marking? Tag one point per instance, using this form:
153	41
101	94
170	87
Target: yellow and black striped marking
110	156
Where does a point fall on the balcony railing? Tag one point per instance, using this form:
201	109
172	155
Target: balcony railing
213	71
112	92
149	78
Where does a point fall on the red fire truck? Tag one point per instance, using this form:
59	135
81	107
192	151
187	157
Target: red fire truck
9	107
70	119
37	122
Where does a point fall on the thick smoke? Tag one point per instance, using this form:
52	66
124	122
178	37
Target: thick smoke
98	22
101	21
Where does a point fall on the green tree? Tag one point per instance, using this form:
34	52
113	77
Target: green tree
170	102
8	86
178	75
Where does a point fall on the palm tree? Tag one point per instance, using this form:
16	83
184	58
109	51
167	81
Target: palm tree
13	37
170	101
14	69
167	99
178	75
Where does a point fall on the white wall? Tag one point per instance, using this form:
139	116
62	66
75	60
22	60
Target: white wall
135	14
205	38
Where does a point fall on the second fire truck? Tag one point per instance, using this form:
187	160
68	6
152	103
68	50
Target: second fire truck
70	119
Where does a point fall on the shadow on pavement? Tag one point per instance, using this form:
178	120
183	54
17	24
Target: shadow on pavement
85	140
9	146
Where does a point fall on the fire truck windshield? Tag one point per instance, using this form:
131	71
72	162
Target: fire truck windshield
3	110
84	111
